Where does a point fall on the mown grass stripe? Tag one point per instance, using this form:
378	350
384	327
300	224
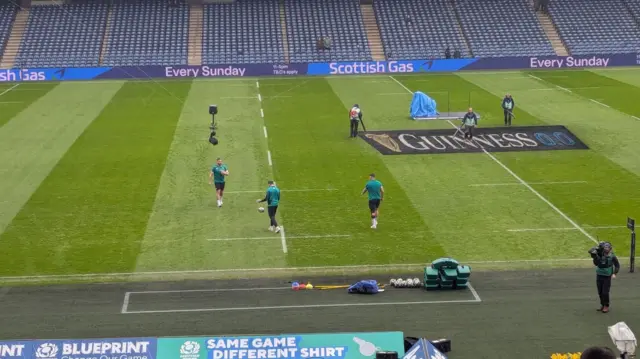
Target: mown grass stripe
91	212
14	99
36	139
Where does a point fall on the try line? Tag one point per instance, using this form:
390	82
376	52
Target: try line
556	209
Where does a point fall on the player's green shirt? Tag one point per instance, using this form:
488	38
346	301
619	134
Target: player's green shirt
273	196
218	177
373	189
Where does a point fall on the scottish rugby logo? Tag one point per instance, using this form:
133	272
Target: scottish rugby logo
190	350
47	350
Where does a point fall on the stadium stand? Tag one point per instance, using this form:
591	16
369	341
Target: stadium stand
147	32
63	35
7	15
418	29
596	26
245	31
498	28
340	20
634	8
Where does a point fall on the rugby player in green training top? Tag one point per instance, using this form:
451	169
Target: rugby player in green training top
376	192
218	172
273	200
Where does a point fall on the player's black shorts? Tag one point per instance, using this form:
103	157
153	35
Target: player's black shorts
374	204
220	186
272	210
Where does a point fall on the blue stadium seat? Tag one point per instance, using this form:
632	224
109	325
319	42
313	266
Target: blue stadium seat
497	28
432	28
597	26
7	15
340	20
147	32
67	35
245	31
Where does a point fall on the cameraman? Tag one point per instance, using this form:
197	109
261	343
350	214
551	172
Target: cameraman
607	266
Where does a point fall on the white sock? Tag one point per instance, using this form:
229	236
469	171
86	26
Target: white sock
220	199
375	221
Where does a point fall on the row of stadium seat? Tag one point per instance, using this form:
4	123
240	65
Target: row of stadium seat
250	31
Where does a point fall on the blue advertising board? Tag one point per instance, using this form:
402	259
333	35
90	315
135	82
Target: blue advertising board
319	69
289	346
116	348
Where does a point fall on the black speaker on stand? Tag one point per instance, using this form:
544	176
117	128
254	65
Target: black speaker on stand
386	355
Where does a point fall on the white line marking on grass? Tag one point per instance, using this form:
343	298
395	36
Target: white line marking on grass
307	306
125	302
257	84
282	237
9	89
265	131
401	84
208	290
259	98
403	266
474	293
636	118
269	158
560	229
559	87
520	184
261	113
599	103
574	224
286	190
237	97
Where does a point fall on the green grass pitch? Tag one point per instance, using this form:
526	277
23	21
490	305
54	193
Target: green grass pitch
111	177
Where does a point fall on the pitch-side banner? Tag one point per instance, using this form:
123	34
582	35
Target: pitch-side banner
318	69
118	348
294	346
489	139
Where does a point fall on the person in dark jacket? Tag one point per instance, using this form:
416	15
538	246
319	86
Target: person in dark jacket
447	53
508	106
457	54
607	266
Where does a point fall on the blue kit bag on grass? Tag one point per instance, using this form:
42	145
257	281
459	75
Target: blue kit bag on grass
364	287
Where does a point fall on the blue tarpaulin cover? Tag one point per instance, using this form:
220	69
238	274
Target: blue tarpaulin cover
364	287
423	106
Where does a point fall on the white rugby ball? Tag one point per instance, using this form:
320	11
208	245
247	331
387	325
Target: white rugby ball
261	209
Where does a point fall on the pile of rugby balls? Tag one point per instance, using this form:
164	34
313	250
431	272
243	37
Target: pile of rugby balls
406	283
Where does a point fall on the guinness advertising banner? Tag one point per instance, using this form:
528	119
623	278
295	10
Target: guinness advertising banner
492	139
